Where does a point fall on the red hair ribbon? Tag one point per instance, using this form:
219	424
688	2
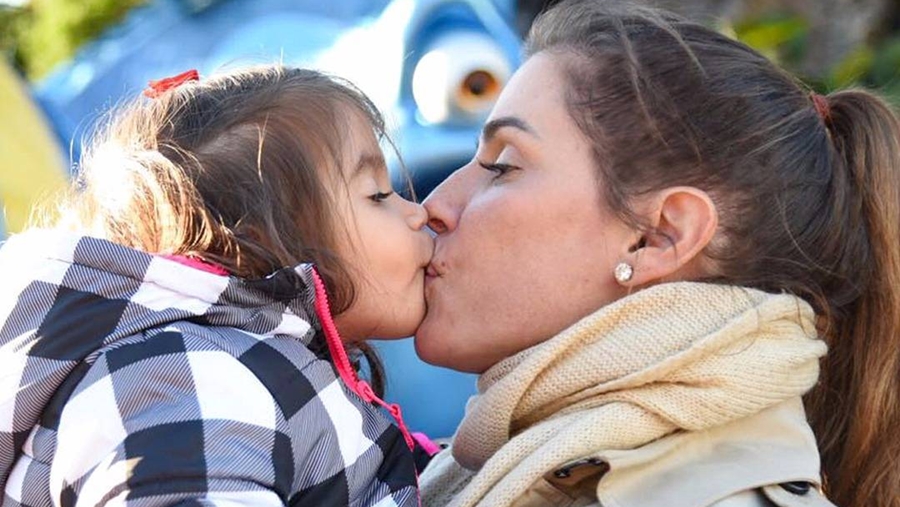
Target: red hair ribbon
822	106
163	85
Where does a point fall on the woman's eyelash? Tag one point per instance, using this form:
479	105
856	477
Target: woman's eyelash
498	169
380	196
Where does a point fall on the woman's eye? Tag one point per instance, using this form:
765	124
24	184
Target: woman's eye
380	196
498	169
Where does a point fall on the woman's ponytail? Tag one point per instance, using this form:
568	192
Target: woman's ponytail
855	409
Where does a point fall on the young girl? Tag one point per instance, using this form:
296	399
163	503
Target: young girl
171	340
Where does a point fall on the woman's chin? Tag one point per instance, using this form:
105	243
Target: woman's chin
426	351
438	351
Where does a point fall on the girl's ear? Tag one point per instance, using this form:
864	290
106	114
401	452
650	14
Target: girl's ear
683	221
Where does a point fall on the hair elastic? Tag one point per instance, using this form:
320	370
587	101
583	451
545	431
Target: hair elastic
160	86
822	106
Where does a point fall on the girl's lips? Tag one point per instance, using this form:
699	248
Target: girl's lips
431	271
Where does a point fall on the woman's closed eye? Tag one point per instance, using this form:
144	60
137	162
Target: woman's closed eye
497	168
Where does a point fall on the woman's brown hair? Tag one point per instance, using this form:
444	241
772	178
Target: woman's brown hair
809	198
238	170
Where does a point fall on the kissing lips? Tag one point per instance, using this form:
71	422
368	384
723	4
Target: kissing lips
433	270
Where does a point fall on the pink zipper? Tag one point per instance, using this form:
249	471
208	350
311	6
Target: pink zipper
342	362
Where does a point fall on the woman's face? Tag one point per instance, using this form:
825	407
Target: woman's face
525	246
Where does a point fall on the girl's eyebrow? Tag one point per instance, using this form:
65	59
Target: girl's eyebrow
368	162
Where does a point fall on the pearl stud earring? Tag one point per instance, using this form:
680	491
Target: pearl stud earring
624	272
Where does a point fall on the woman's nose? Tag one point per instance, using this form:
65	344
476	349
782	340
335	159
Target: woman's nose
445	203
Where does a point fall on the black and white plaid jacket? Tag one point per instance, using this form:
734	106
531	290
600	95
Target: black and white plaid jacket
127	378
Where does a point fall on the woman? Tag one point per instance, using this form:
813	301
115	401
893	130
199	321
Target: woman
659	237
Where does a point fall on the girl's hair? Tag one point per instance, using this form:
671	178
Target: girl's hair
809	202
238	170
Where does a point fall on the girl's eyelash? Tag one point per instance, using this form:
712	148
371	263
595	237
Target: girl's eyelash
380	196
498	169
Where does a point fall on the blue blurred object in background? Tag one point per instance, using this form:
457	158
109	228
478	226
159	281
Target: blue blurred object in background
434	67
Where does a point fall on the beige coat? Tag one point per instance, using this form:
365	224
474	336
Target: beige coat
741	464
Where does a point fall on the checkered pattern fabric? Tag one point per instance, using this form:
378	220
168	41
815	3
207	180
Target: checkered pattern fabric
127	378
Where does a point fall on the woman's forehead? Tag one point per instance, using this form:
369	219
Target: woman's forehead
533	98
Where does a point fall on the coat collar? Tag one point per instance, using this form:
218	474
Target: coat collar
771	447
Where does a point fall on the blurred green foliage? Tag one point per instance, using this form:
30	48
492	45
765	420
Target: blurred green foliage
776	36
10	20
785	38
42	33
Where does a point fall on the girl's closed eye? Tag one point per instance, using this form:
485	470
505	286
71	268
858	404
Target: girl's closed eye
381	196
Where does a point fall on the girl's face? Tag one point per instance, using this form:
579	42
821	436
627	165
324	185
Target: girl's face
386	245
525	246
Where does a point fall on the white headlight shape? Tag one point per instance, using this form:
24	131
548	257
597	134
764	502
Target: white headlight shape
459	77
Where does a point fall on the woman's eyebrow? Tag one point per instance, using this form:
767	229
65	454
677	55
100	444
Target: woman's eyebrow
491	128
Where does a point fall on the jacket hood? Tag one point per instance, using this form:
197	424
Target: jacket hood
65	297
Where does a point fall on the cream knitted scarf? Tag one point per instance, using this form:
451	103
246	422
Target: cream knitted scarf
677	356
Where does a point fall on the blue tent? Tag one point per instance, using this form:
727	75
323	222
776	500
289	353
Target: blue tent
434	67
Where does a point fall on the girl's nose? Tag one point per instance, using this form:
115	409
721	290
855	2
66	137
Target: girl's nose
417	217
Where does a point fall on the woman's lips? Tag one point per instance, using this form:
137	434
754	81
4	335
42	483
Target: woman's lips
431	271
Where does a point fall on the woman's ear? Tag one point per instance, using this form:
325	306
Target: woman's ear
683	220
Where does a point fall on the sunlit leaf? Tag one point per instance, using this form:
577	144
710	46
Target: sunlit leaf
770	33
853	68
